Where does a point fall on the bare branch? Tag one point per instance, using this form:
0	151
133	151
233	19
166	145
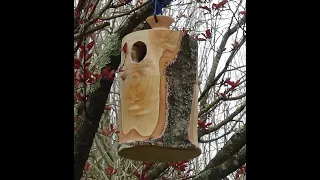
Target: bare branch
92	21
215	139
156	172
224	169
77	46
235	98
236	68
80	5
126	13
211	83
233	145
225	134
135	19
107	23
203	132
99	14
94	8
100	26
215	103
77	10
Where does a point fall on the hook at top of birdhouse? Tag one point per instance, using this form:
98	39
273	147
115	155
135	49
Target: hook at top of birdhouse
164	22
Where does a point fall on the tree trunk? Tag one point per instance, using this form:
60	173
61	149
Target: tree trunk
85	135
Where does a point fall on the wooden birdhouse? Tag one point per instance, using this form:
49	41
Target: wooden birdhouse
158	92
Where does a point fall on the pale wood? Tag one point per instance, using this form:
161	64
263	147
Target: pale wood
193	121
149	130
163	22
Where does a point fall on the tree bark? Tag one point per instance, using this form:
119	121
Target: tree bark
156	172
224	169
220	161
88	129
233	145
134	20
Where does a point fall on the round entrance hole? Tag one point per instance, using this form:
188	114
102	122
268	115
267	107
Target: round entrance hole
138	51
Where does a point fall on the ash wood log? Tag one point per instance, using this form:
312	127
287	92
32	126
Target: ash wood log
158	91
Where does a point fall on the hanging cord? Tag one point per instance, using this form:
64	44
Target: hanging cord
158	5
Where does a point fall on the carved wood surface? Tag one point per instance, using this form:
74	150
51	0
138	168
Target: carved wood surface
140	91
143	84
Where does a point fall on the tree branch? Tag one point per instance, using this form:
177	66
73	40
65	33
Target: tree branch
156	172
203	132
233	145
214	103
224	169
94	8
211	80
233	53
83	31
135	19
78	9
126	13
215	139
98	27
87	131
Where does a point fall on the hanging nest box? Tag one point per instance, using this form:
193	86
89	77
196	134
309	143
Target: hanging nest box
158	92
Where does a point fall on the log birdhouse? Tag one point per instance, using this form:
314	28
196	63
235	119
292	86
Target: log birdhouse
158	92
